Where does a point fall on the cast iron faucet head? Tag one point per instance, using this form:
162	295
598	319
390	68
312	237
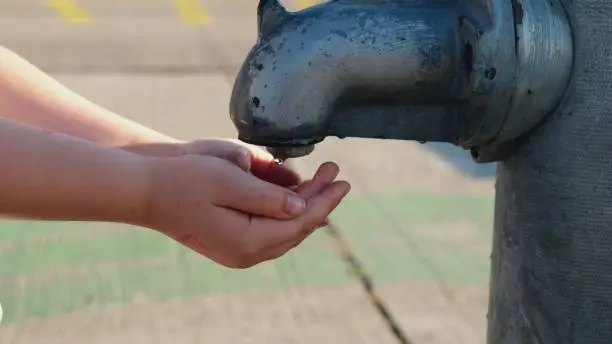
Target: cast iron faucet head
424	70
337	58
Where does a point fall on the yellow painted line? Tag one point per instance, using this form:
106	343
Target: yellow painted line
192	12
70	11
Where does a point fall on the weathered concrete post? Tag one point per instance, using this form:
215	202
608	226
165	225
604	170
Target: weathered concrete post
551	274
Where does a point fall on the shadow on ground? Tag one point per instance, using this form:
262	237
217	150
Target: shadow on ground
461	159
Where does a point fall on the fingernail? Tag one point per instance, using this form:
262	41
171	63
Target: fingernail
347	189
295	205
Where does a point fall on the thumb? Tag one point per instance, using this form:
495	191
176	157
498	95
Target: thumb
247	193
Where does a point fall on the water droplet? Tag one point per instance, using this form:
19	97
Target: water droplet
279	161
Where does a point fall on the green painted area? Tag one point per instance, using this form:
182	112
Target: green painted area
81	250
181	275
14	232
398	238
421	238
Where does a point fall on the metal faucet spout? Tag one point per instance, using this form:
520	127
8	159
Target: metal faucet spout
312	67
475	73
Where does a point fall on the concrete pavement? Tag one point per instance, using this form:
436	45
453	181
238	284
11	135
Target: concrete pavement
170	65
127	35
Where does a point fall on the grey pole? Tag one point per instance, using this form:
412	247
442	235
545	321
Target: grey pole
551	273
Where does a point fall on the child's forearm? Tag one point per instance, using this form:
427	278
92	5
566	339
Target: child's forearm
29	96
51	176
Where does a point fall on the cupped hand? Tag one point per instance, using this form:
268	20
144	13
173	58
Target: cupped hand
248	157
235	218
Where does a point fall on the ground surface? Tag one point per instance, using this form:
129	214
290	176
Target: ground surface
420	227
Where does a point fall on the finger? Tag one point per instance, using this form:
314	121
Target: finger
264	239
270	171
233	152
308	228
298	188
263	165
273	233
325	175
321	205
248	157
242	191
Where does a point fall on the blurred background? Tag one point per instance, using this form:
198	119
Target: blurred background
406	260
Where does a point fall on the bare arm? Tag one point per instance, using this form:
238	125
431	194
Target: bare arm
51	176
29	96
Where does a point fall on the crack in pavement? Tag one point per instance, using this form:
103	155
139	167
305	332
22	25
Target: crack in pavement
367	283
